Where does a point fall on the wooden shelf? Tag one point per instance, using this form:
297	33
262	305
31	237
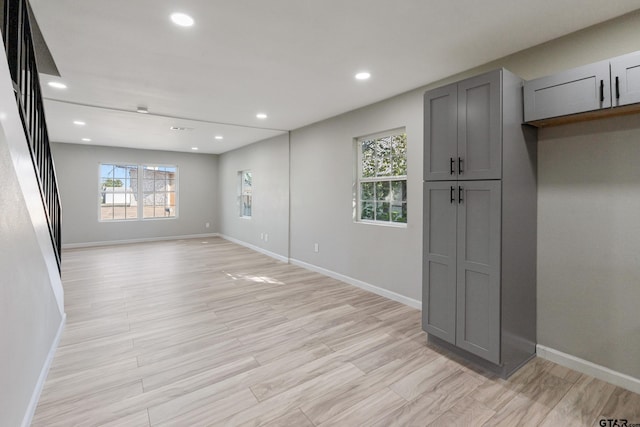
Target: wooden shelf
588	116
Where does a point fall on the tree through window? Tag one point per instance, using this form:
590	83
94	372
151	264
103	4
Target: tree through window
246	196
382	178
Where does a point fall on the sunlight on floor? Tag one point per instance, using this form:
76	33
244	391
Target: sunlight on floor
257	279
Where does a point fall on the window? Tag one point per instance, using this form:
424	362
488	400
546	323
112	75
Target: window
382	178
159	191
245	193
118	187
123	186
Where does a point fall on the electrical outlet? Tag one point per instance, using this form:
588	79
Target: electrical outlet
266	237
316	247
206	225
261	236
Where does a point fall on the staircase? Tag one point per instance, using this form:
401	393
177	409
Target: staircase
21	57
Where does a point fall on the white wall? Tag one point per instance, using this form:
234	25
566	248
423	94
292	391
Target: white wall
77	168
268	228
31	312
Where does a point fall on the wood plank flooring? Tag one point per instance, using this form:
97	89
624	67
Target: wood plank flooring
205	332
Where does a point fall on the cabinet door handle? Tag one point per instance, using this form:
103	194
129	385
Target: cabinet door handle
460	193
617	87
453	192
451	171
460	165
601	90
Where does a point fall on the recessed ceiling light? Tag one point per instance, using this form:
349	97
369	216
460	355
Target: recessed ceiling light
179	128
86	139
194	148
363	75
182	19
79	122
142	110
261	115
218	137
57	85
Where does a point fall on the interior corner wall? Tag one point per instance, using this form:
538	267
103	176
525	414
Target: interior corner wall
268	227
77	169
29	314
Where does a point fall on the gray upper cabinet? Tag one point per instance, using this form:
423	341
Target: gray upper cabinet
480	127
605	88
462	128
573	91
625	79
440	129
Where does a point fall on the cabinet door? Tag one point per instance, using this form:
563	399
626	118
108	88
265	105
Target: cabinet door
439	260
625	79
480	127
440	121
573	91
478	275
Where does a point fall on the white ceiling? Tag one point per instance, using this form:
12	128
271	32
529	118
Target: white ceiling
295	60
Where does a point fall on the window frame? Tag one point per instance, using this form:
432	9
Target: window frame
139	194
359	179
241	187
99	205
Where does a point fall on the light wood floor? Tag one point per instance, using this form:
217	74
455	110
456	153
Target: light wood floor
206	332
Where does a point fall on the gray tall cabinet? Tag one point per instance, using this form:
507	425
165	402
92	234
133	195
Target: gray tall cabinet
479	246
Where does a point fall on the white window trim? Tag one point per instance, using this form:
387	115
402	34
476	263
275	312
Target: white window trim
359	179
140	192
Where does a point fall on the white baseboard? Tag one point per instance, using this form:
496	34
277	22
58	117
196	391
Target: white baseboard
589	368
256	248
35	397
360	284
129	241
349	280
